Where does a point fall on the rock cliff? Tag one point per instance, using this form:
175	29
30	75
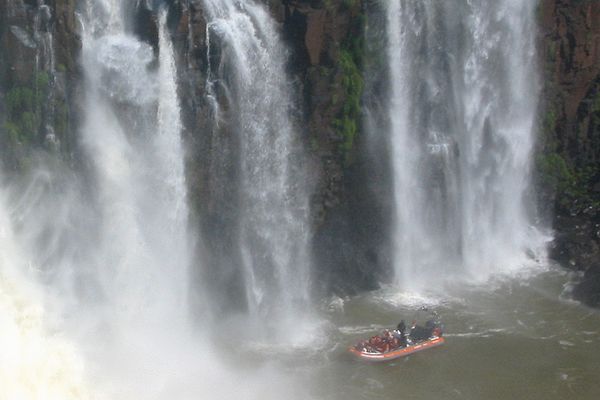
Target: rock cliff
569	160
39	46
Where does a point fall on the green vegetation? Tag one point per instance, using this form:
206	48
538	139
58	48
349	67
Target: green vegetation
350	3
596	105
352	82
24	109
570	184
549	126
61	117
324	71
555	172
551	52
314	144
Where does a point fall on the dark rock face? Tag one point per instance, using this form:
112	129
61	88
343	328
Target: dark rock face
351	247
588	289
68	41
571	136
577	246
39	46
572	52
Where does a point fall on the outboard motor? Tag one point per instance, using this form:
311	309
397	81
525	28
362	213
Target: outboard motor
433	327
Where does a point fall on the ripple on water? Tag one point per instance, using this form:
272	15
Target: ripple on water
485	333
361	330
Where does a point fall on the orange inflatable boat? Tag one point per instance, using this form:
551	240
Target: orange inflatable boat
401	342
372	354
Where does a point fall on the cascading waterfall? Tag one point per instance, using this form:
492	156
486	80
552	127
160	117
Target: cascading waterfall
45	61
106	260
132	134
94	276
273	221
42	34
463	100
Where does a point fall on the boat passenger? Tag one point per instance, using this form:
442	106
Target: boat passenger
401	327
385	345
385	340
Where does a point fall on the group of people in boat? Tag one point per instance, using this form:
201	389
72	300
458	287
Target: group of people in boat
388	340
399	337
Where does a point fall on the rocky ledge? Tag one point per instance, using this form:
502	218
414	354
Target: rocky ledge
577	246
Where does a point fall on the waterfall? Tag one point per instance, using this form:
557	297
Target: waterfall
249	67
45	62
462	106
132	136
95	261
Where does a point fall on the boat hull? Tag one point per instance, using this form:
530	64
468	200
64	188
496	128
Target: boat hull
402	352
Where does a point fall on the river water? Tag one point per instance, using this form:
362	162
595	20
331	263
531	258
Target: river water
513	338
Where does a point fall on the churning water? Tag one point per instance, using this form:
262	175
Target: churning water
35	363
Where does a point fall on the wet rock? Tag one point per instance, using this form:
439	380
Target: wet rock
20	50
59	18
577	247
145	25
588	289
23	36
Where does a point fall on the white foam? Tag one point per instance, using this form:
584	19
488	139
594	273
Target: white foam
566	343
413	300
35	364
